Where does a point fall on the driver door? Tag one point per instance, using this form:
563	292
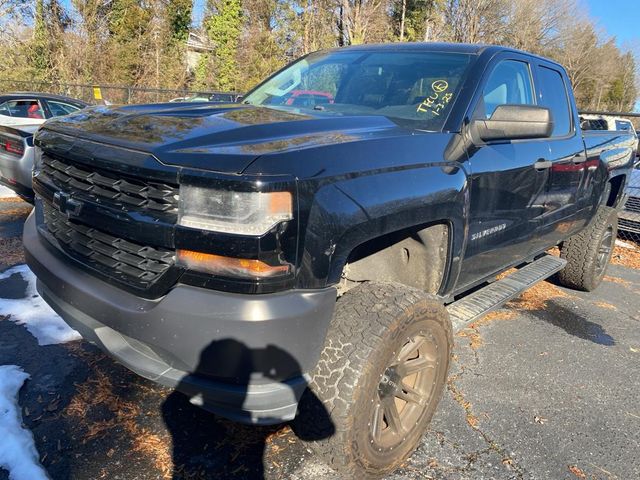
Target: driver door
506	185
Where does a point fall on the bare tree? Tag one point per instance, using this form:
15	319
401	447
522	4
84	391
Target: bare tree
535	25
473	21
365	21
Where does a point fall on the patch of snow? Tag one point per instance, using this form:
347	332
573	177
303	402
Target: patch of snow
6	192
18	454
623	244
33	312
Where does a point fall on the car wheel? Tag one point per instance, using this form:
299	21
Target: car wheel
588	253
380	376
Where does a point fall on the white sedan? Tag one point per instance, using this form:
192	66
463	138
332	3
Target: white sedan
25	108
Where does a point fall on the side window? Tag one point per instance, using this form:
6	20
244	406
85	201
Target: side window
4	109
61	108
508	84
25	109
623	125
553	95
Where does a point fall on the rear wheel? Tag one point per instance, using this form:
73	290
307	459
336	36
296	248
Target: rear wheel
588	253
381	376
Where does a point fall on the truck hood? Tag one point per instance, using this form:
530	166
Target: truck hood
222	138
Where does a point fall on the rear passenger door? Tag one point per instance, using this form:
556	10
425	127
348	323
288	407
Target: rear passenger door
565	193
506	184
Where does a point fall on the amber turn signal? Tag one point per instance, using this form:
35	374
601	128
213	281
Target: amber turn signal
228	266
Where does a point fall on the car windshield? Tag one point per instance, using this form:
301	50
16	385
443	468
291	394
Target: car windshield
413	89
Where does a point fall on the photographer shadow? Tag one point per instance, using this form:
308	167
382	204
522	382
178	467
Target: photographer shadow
205	445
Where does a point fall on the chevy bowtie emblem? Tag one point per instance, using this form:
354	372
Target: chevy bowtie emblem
70	206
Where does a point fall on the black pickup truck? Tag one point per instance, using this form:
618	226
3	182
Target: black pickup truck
326	236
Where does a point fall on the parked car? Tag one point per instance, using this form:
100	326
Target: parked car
630	215
203	98
28	108
250	253
16	159
307	98
609	122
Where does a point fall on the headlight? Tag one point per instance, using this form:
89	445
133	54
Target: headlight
242	213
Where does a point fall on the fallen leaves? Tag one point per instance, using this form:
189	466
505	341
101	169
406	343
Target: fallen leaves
540	420
98	393
626	256
577	471
475	340
495	316
537	297
619	281
606	305
472	420
11	252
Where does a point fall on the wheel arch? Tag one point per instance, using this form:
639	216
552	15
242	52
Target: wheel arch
352	220
417	256
614	191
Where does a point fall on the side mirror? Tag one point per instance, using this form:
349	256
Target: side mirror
514	122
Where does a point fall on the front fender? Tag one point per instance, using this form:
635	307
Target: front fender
349	212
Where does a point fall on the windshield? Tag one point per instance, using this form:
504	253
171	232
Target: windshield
415	89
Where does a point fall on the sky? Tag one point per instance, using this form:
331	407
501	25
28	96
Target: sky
620	18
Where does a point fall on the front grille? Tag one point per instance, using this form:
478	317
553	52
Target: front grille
105	187
633	204
629	225
128	262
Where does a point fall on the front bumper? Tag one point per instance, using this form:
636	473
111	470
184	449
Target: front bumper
244	357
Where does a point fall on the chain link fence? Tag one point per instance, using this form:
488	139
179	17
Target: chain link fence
113	93
629	216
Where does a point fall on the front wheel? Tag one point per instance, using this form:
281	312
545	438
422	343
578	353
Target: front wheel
588	253
381	376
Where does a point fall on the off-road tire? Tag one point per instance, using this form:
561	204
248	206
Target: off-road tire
371	324
584	252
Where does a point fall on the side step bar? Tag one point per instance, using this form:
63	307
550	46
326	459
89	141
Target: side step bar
470	308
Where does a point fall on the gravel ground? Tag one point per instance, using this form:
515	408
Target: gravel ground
546	387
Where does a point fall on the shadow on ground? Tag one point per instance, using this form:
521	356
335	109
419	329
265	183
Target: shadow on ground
197	437
574	323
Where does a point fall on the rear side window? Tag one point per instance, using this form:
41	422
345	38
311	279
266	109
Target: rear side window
61	108
553	95
508	84
623	125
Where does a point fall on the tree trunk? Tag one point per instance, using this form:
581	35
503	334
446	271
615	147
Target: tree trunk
404	11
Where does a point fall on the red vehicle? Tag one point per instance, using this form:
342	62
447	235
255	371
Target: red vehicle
308	98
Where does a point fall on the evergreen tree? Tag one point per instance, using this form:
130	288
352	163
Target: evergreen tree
223	27
178	13
129	21
40	52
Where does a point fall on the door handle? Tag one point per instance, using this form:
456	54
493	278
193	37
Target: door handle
542	164
579	158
